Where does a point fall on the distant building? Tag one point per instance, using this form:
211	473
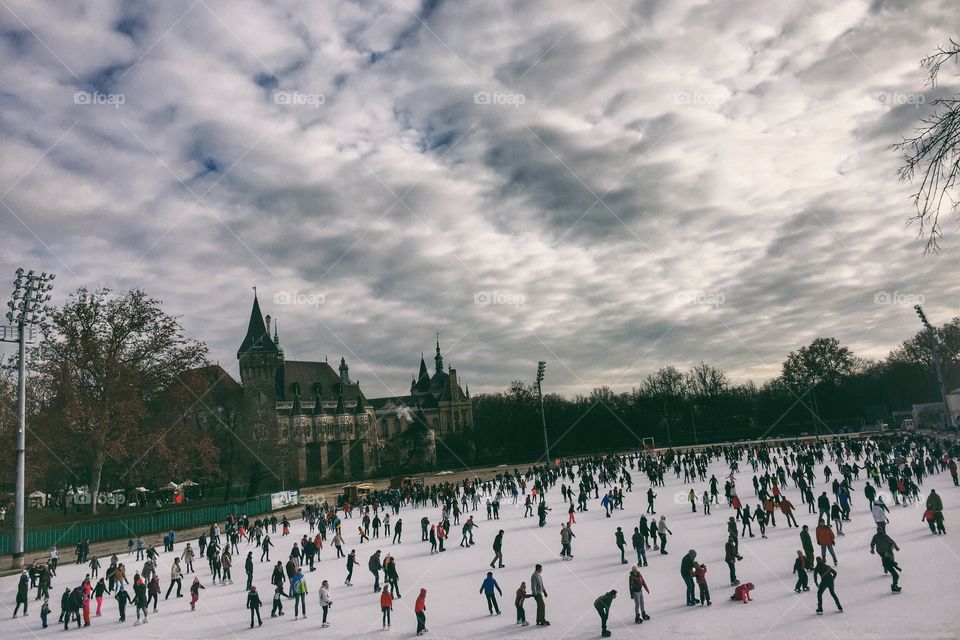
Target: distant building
437	400
330	429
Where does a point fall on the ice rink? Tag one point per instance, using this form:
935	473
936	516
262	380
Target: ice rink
926	608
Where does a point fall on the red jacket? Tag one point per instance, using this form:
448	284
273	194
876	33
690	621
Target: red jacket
421	604
825	535
701	574
786	506
386	600
742	592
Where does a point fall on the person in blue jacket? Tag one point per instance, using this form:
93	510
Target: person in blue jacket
488	588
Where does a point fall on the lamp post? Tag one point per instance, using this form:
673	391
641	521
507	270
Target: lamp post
541	369
932	342
28	308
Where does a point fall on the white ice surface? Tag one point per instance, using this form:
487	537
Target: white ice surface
927	608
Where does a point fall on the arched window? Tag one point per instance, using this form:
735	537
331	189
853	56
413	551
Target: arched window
436	424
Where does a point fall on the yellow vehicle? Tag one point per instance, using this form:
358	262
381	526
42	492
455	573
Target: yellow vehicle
405	482
356	493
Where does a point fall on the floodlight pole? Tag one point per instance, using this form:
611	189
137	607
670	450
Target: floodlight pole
19	491
541	369
27	308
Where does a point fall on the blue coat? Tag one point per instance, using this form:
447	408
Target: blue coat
489	584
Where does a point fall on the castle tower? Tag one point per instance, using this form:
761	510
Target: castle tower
261	371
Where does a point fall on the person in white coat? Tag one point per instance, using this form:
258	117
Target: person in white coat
325	601
880	511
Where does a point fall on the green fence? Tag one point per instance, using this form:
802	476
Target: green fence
123	528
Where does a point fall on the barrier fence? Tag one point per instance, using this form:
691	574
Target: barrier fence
131	527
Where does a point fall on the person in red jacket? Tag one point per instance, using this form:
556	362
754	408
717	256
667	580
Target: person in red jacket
420	609
787	508
521	596
742	593
701	575
826	538
386	606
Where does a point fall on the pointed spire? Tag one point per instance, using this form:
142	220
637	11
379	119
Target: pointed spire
344	371
424	374
257	338
297	406
438	359
468	391
276	336
318	405
359	409
340	407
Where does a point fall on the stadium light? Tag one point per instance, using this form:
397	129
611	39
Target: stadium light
27	310
541	369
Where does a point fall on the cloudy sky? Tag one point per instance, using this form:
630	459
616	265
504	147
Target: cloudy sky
610	185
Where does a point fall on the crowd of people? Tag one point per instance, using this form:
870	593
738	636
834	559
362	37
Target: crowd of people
765	475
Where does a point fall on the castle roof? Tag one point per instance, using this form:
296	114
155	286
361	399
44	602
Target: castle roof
257	338
318	376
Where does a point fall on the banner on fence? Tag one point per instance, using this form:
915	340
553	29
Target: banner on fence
284	499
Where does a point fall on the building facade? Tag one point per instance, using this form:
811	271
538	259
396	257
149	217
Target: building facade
325	426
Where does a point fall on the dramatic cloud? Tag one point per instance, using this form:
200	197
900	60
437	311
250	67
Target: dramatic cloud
610	186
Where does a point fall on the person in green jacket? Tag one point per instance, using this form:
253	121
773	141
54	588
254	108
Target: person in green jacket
602	605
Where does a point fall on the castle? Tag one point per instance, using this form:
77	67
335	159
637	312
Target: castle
329	428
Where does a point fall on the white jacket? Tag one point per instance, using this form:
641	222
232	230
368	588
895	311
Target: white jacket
325	600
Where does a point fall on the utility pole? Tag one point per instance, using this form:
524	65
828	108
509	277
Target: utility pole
28	308
541	369
934	354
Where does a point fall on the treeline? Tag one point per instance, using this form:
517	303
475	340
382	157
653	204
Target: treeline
119	397
823	388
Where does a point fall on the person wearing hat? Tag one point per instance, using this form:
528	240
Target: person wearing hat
254	604
602	605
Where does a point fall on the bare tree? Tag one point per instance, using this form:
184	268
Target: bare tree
932	155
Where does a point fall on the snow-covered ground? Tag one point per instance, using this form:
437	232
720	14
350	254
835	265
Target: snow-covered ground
927	607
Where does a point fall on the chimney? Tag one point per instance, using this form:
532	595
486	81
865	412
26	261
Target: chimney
268	325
